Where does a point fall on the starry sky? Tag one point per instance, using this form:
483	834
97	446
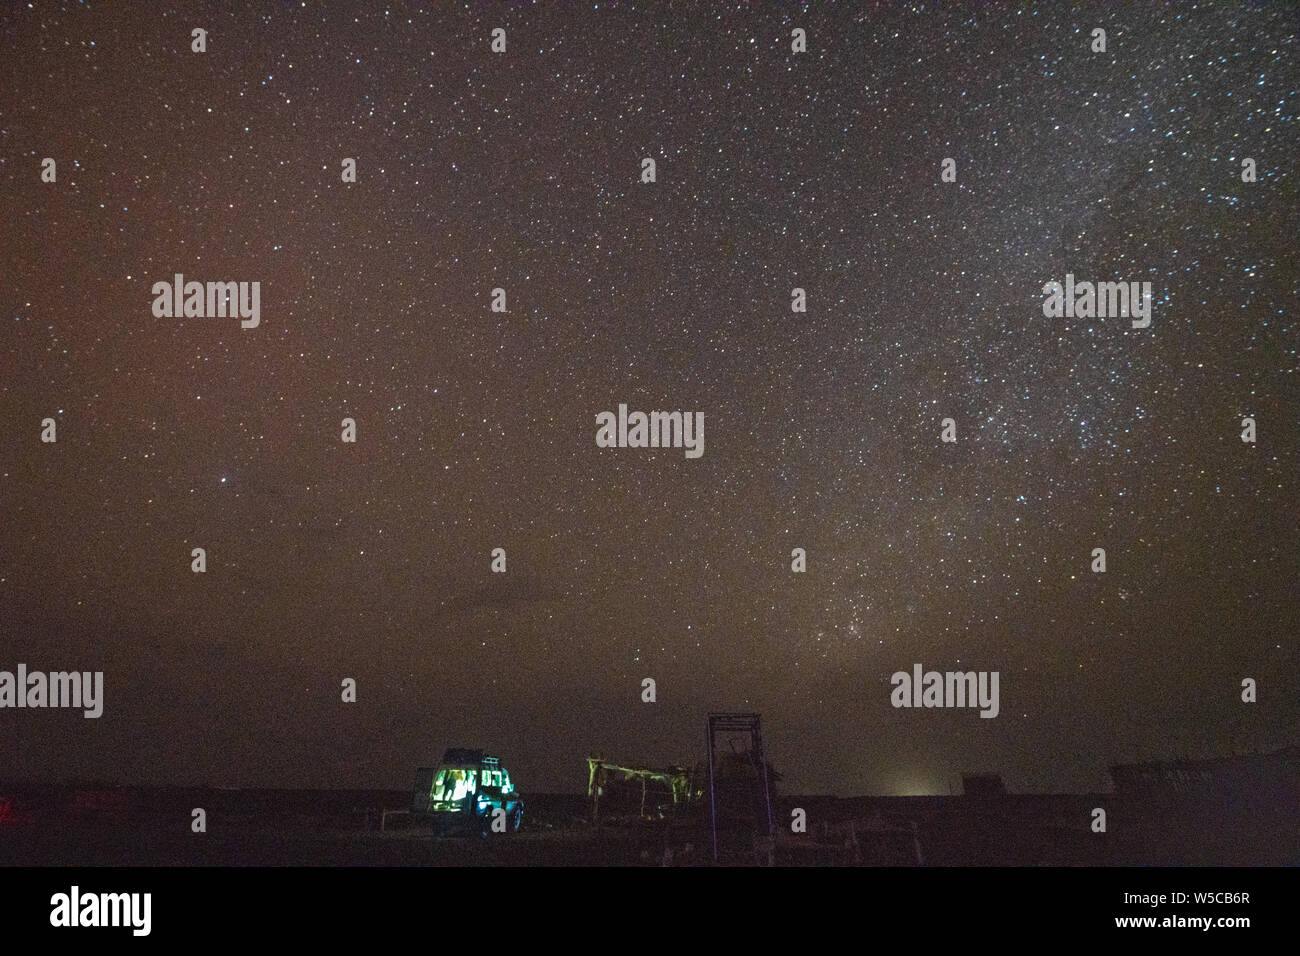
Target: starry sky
476	429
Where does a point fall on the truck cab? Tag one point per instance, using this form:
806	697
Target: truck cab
464	793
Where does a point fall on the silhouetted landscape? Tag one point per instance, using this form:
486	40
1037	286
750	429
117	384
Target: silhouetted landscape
1219	812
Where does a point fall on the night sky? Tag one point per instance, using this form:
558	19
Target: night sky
476	429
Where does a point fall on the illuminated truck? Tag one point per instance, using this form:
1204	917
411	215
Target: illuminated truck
464	793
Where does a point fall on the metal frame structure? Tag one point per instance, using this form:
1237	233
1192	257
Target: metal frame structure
732	724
